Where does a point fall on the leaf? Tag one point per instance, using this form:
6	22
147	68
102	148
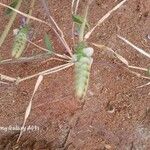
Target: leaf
79	20
7	78
121	58
29	107
48	43
38	82
12	4
135	47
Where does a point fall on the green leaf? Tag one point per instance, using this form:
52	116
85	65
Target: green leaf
79	20
48	43
13	4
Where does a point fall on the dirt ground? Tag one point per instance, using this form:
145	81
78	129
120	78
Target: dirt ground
116	114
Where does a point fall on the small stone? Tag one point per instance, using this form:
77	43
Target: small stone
107	146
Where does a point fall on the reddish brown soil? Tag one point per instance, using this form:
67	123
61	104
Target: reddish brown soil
116	114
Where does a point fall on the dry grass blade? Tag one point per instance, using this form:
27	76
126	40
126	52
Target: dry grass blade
7	78
135	47
31	9
41	21
26	15
39	57
46	50
72	6
75	3
1	82
28	110
121	58
46	72
25	59
8	26
138	74
144	85
58	32
104	18
62	68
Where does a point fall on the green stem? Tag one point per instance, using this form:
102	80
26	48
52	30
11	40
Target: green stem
81	34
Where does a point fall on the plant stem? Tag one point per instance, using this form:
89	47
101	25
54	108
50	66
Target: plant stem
46	72
57	31
88	34
81	34
8	26
30	11
25	59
